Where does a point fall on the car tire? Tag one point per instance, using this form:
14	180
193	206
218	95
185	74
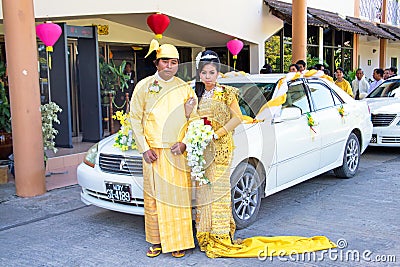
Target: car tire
246	194
351	158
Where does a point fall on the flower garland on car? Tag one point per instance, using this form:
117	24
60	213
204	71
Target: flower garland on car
310	122
198	136
124	138
341	110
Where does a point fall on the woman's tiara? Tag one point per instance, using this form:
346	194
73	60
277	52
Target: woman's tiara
199	58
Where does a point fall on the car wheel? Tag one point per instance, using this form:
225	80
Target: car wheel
351	158
246	194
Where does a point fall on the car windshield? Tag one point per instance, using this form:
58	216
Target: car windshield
390	88
252	96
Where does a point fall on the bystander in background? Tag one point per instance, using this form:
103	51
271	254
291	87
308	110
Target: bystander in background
341	82
267	68
378	79
302	65
294	68
360	85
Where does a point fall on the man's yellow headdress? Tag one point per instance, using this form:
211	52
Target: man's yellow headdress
163	51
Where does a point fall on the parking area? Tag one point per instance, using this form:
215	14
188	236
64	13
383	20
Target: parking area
360	214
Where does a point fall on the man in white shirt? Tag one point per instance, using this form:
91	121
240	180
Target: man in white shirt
378	77
360	85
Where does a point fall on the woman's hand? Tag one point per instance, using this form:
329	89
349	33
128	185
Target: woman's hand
178	148
189	105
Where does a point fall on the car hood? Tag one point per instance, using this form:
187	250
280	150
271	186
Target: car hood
384	105
106	146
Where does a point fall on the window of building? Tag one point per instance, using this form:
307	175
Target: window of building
393	62
337	49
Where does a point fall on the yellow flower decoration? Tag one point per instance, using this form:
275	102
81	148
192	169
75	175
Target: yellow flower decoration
341	110
124	139
310	122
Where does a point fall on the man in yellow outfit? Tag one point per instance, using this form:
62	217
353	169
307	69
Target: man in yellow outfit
158	116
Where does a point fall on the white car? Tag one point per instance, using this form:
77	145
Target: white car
270	155
384	102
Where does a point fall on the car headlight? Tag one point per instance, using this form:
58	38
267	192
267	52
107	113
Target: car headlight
90	157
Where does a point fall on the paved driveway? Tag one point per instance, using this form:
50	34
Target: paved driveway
360	214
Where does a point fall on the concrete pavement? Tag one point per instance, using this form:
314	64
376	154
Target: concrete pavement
57	229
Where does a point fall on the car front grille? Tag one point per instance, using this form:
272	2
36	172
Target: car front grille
119	164
136	202
382	120
391	139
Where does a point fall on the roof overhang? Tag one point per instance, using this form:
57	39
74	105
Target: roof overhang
325	19
391	29
283	11
336	21
183	30
372	28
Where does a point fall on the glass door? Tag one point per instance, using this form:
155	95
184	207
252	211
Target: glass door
74	87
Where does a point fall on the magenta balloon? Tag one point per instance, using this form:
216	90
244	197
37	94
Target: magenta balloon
48	33
234	46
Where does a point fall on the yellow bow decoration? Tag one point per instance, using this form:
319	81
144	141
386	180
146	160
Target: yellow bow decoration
310	73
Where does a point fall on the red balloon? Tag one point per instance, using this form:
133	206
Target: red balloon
48	33
158	23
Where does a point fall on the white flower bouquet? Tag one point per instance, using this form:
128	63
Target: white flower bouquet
197	137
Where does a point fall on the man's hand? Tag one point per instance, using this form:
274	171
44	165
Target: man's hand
150	156
178	148
189	105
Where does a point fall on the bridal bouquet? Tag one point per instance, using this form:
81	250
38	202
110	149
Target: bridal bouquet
198	136
124	138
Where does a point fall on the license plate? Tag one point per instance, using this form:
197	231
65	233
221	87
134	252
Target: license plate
374	139
120	192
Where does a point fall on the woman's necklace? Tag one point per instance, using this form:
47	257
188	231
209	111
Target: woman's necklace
208	94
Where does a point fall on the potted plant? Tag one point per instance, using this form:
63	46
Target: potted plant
112	78
49	117
5	125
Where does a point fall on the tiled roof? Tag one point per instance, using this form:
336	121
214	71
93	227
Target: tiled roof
391	29
283	11
336	21
326	19
371	28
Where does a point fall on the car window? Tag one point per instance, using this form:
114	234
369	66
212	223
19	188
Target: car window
252	96
336	98
322	96
387	89
296	97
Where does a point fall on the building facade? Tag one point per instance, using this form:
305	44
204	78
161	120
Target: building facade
339	33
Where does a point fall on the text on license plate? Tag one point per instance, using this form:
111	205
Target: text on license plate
120	192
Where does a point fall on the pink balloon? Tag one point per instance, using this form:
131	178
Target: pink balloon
234	46
48	33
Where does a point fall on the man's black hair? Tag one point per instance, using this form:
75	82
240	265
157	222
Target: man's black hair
301	62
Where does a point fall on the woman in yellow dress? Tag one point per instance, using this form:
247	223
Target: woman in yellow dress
342	83
218	106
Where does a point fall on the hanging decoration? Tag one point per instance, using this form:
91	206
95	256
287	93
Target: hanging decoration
158	23
48	33
234	46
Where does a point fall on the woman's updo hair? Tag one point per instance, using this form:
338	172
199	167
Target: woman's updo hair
202	59
207	57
